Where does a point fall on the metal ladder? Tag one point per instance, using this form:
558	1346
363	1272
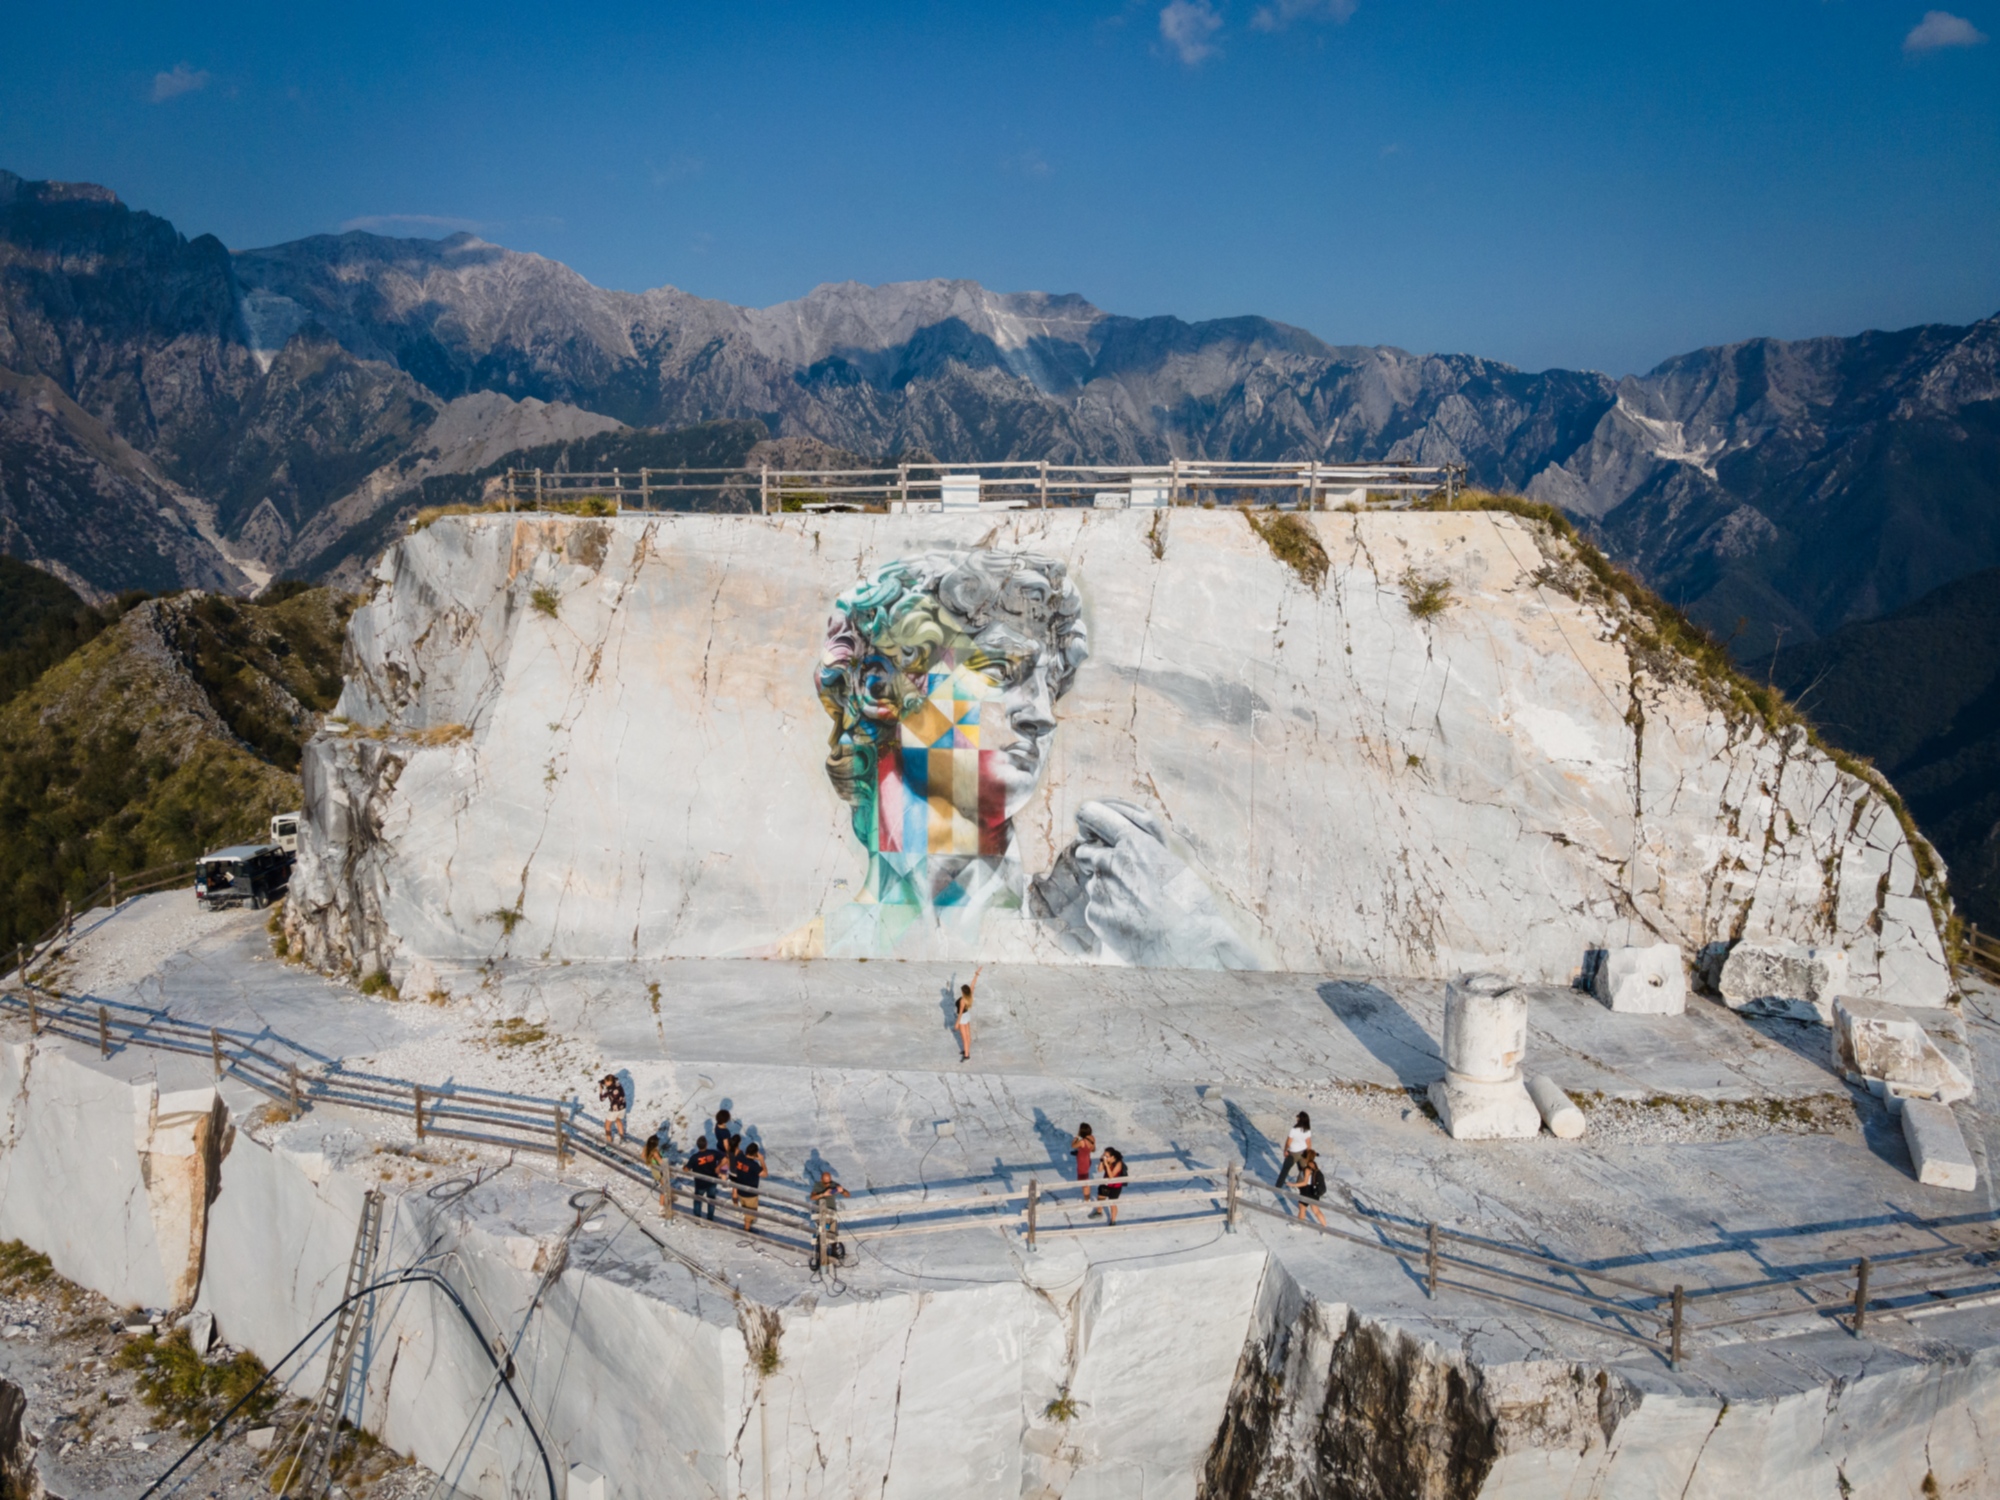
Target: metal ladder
319	1434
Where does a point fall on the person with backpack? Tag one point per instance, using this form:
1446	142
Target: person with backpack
1312	1186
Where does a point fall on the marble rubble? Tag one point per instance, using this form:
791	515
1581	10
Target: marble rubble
1790	979
1481	1096
1937	1146
1558	1111
608	739
1885	1045
1642	981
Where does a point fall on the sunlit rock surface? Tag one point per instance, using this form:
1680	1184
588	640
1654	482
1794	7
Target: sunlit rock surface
597	739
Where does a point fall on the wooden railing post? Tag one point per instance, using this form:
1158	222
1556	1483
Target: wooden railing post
103	1032
1860	1294
1174	485
215	1049
34	1016
21	962
114	890
1431	1262
1680	1322
764	490
903	484
292	1080
1233	1212
69	919
562	1141
1043	467
1034	1206
418	1090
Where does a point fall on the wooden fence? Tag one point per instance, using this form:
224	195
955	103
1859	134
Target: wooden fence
1961	1263
1982	953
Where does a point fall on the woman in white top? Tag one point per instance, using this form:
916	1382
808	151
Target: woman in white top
1298	1141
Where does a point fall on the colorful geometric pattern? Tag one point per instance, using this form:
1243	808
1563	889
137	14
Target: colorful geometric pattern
923	665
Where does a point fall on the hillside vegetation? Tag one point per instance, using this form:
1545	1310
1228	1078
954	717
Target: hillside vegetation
170	731
1918	692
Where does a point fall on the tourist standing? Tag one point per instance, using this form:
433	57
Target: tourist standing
703	1165
747	1171
962	1024
612	1092
1084	1144
1298	1141
1113	1168
1312	1186
656	1164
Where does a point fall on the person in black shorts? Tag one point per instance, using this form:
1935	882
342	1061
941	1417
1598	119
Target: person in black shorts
703	1164
1312	1186
1113	1168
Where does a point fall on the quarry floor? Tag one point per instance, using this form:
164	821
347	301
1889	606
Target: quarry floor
1720	1147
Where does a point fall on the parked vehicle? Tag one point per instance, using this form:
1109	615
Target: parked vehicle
253	873
285	831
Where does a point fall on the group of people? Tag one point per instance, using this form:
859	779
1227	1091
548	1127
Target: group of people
741	1164
730	1159
1110	1167
1299	1153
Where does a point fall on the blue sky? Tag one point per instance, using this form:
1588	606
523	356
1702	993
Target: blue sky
1595	185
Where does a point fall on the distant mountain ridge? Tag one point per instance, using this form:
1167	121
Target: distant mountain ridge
1794	485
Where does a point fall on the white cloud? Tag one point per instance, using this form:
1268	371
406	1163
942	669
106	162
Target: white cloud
1940	29
1281	13
1189	27
393	223
178	80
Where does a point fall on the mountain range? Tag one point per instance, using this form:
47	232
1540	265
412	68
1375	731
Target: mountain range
173	412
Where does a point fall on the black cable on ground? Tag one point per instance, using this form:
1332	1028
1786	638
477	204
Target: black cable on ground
400	1278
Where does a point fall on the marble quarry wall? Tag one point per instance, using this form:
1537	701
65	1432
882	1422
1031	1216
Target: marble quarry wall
1063	736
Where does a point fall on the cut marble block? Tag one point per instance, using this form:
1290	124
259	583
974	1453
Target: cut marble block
585	1483
1646	981
1879	1041
1937	1149
1564	1119
1471	1111
1786	978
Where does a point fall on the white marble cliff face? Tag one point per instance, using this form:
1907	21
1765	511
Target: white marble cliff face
1316	780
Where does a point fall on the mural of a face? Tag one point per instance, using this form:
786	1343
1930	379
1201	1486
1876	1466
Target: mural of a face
941	674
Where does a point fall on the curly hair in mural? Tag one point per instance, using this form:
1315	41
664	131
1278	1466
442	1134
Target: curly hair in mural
940	673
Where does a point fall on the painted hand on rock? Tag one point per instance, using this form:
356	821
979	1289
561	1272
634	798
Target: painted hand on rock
1121	891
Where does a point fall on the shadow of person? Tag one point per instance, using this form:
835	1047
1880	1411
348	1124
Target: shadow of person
1377	1020
1260	1157
816	1164
948	1003
1054	1138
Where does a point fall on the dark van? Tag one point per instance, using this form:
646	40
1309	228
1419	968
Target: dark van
256	873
